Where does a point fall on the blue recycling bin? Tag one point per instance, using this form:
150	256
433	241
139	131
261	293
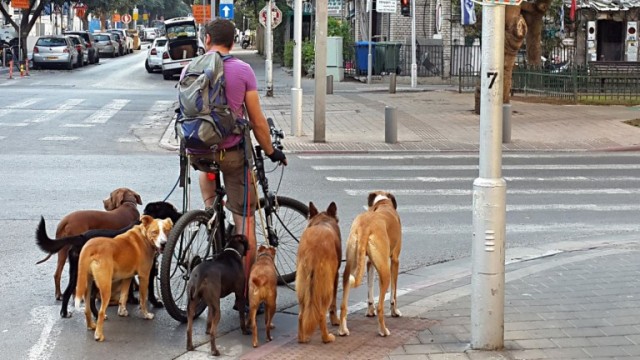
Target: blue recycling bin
362	54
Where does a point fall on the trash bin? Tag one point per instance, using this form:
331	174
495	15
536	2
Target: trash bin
362	55
388	57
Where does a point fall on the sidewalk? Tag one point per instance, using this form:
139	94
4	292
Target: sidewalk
436	118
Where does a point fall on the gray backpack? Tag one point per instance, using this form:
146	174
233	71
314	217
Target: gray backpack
205	118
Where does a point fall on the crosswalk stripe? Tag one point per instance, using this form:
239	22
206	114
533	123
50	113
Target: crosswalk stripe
435	209
59	138
573	228
455	156
462	192
21	105
14	124
470	179
46	115
78	125
475	167
107	112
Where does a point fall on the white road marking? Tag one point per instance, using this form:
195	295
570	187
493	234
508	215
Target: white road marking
18	106
471	178
127	140
78	125
46	115
107	112
571	228
2	137
475	167
434	209
14	124
59	138
459	192
453	156
44	316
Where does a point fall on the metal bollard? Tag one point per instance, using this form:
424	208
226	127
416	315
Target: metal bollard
10	69
506	123
390	125
392	83
329	84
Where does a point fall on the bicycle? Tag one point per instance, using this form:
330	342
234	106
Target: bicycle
199	235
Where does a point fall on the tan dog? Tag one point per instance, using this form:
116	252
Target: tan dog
105	260
263	287
318	262
121	211
376	234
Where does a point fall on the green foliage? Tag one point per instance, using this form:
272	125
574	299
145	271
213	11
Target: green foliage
336	27
308	55
288	54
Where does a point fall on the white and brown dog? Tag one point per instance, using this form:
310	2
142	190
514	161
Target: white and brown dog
376	234
108	260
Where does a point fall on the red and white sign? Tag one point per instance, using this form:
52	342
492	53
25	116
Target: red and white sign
276	18
126	18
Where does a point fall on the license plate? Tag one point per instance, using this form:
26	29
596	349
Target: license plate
184	62
52	57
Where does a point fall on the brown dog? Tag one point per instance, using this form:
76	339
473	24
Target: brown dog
318	262
263	287
376	234
104	260
121	210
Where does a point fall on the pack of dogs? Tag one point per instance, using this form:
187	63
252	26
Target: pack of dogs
107	249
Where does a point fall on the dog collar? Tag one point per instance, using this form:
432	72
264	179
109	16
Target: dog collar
233	250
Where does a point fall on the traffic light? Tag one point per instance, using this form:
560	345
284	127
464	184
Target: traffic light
405	7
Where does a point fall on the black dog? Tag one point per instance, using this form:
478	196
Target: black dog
212	280
160	210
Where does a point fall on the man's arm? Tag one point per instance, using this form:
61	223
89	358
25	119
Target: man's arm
259	122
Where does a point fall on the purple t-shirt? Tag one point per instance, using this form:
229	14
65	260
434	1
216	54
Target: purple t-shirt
239	78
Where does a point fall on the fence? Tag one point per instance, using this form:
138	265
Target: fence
397	57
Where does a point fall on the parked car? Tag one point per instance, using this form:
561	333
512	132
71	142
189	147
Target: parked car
83	52
127	41
90	42
121	43
54	50
107	45
154	55
183	44
149	34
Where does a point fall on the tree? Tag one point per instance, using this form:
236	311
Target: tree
28	20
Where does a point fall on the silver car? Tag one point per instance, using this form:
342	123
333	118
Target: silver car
81	46
107	44
54	50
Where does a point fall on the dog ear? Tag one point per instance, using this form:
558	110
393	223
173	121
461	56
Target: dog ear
332	210
372	196
393	200
138	198
312	210
146	220
272	251
261	248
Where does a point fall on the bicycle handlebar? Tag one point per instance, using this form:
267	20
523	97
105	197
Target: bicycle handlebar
276	134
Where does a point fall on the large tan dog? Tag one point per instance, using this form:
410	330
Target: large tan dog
376	234
121	211
105	260
318	262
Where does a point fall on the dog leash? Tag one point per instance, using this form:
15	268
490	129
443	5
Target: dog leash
173	189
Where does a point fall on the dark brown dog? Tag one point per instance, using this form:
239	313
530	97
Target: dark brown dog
318	262
212	280
121	211
263	287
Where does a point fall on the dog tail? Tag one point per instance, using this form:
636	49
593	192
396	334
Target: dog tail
83	278
316	286
52	246
362	239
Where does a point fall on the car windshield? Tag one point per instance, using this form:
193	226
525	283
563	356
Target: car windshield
161	43
116	36
102	37
178	31
51	42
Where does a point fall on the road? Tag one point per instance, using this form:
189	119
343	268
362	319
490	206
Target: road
68	139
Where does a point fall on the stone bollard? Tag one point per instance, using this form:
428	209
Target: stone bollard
392	83
390	125
329	84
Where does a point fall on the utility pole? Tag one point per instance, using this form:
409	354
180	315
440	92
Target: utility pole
269	49
369	56
296	91
414	65
319	109
489	192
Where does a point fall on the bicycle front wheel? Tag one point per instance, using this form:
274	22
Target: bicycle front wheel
190	242
289	221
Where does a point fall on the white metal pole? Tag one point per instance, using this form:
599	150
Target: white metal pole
269	48
414	66
296	91
369	56
489	193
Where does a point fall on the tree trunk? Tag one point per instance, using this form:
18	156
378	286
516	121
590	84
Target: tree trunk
533	13
515	31
85	21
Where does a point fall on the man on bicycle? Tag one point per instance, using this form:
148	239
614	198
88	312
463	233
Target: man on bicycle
241	89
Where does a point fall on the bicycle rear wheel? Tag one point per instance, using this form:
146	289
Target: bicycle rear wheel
190	242
289	221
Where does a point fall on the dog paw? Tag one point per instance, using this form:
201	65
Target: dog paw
190	347
91	326
99	337
122	311
343	331
384	333
149	316
371	313
215	352
255	344
329	339
396	313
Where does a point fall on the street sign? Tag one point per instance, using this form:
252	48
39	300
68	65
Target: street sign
115	18
226	9
201	13
276	16
386	6
503	2
126	18
135	14
20	4
145	16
